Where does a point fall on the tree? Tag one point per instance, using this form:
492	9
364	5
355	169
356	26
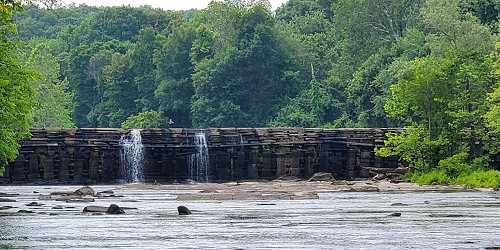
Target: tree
145	120
367	25
54	101
370	86
444	101
241	72
173	74
448	29
86	81
120	92
16	94
143	67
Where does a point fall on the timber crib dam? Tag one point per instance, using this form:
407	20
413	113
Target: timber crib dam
95	155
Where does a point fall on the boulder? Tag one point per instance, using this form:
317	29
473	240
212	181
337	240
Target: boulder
183	210
321	176
95	209
114	209
85	191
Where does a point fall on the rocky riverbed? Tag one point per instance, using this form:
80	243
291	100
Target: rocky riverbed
280	214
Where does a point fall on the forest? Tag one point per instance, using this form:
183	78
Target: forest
431	66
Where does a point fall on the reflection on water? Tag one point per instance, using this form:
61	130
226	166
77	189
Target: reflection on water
335	221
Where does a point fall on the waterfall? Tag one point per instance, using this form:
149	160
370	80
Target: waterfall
198	162
132	156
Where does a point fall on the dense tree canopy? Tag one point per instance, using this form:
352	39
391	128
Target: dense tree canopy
430	65
17	96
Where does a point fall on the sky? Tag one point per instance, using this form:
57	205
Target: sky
164	4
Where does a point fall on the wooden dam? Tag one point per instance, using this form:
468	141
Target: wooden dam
95	155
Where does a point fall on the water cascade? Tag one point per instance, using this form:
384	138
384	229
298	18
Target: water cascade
132	156
198	162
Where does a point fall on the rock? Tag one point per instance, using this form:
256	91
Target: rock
183	210
85	191
322	176
340	183
364	189
7	200
304	195
63	193
34	204
114	209
80	200
45	197
379	176
22	211
404	180
107	193
95	209
399	204
399	170
8	195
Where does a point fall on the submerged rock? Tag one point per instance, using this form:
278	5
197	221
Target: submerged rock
183	210
7	200
34	204
8	195
22	211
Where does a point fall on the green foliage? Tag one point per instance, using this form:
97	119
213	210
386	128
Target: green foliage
434	177
477	178
488	179
54	101
411	145
16	94
455	165
36	21
145	120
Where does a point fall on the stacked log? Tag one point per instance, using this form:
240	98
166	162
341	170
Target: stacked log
92	154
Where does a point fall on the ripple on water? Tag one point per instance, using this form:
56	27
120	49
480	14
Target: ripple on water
335	221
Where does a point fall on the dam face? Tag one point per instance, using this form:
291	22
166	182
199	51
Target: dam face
95	155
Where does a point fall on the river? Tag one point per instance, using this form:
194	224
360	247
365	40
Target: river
337	220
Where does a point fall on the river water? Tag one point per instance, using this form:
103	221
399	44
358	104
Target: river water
337	220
